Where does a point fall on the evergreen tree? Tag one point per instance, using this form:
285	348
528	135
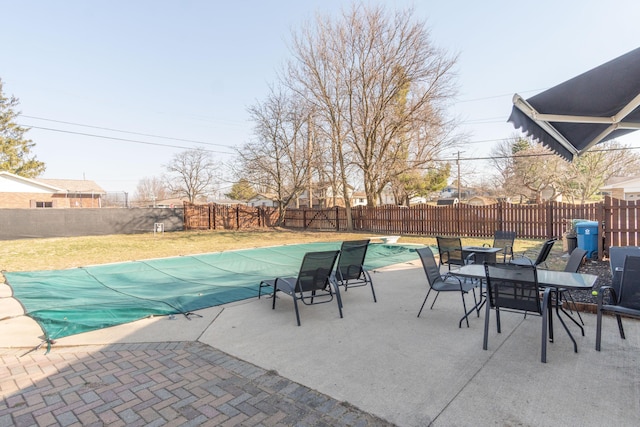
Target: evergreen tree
241	190
15	149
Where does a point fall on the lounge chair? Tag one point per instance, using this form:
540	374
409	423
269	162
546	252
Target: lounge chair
312	285
350	271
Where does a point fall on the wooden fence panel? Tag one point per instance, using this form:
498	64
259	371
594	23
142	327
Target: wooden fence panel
619	219
621	222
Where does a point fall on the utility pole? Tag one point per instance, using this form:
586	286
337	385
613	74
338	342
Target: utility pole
458	164
310	153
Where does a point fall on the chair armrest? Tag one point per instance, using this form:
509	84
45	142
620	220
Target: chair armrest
470	259
601	294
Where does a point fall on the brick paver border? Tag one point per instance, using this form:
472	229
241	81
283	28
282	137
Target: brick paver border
158	384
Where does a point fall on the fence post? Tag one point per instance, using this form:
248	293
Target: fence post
212	216
604	224
338	219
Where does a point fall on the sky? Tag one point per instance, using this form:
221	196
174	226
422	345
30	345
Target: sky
113	89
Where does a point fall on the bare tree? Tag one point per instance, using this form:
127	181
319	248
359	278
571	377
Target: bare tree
192	173
278	160
589	172
149	190
378	88
528	169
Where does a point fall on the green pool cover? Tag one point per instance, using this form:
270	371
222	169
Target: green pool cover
68	302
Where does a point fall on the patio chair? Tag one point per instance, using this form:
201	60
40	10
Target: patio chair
313	285
617	255
576	259
504	239
540	259
350	271
450	250
624	299
443	283
512	287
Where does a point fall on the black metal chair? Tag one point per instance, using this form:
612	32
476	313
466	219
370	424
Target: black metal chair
446	283
505	240
314	283
450	250
617	255
350	271
576	259
540	259
513	287
624	299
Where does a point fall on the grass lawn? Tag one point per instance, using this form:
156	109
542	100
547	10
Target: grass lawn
70	252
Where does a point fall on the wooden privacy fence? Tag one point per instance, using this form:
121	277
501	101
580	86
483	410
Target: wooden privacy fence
528	221
618	219
223	217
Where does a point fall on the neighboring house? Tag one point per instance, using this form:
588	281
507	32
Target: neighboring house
263	200
323	196
622	188
19	192
358	198
481	201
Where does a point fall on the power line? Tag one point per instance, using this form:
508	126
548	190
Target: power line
123	139
122	131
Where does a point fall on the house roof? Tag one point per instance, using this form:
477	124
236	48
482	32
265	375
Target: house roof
73	185
20	183
624	183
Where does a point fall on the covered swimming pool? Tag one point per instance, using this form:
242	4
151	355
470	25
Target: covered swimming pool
73	301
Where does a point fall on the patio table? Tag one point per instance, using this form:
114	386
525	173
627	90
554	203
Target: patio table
546	279
482	253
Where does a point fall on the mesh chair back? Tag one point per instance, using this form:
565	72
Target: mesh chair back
450	249
504	239
544	252
617	255
629	295
513	287
575	260
429	264
315	270
352	254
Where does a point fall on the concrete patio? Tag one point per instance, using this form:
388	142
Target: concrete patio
379	365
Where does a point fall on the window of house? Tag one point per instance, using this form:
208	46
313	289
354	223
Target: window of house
44	204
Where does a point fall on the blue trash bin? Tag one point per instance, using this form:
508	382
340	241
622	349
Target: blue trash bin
588	237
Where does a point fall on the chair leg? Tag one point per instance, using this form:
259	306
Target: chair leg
485	339
424	302
464	306
367	278
543	344
338	298
295	306
273	295
574	306
434	300
598	329
620	328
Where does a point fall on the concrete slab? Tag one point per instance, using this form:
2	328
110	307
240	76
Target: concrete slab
419	371
410	371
